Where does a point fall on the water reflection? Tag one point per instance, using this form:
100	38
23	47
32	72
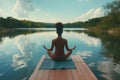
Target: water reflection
109	70
109	65
20	50
91	41
84	54
25	46
110	46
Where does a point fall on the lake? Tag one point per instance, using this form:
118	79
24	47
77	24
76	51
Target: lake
21	49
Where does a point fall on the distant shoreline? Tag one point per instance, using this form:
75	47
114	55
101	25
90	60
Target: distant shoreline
111	31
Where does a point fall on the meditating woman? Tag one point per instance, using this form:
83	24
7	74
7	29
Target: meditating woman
59	44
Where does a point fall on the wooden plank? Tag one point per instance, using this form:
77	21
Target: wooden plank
87	69
90	74
40	74
33	76
81	76
69	74
51	75
78	60
77	70
75	75
63	75
57	75
60	75
81	70
45	75
84	73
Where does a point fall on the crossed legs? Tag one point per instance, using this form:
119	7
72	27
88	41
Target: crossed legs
50	53
68	53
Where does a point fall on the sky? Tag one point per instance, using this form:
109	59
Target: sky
52	11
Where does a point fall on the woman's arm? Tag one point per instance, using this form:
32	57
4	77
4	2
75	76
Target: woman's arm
49	49
67	48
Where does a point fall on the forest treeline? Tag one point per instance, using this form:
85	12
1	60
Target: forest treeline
11	22
110	20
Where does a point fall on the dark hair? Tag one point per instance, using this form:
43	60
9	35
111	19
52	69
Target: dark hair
59	28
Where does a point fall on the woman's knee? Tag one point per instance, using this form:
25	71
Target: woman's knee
49	53
68	54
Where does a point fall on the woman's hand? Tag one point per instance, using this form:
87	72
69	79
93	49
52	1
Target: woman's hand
74	47
44	47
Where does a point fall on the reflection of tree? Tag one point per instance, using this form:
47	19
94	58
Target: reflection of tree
13	32
90	33
110	45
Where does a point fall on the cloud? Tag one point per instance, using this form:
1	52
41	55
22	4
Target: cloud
98	12
22	8
92	13
1	12
83	0
50	19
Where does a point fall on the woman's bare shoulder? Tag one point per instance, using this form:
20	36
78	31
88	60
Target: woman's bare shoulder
64	40
54	40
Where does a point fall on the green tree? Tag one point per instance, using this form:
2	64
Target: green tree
112	10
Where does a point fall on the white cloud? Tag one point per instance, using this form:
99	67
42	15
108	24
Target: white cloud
98	12
83	0
1	12
37	10
50	19
22	8
92	13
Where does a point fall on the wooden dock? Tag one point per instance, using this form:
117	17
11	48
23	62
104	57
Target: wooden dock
82	72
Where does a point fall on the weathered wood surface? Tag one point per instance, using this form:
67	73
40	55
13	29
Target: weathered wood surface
82	72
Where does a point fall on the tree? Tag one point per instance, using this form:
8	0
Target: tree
112	10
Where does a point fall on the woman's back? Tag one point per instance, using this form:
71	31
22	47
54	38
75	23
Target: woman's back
59	46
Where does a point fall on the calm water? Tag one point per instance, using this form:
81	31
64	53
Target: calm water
20	50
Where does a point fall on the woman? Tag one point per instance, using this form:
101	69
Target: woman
59	44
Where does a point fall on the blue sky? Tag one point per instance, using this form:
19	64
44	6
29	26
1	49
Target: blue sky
53	10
